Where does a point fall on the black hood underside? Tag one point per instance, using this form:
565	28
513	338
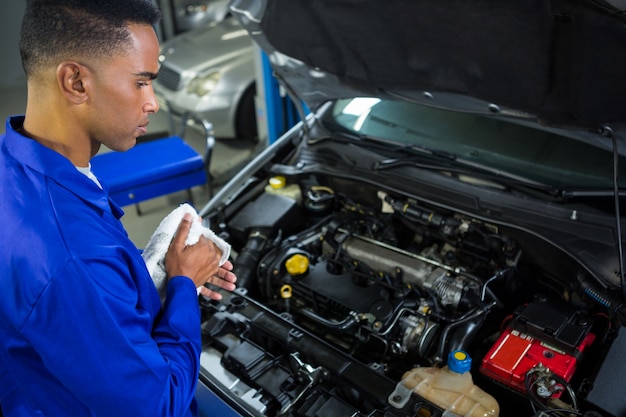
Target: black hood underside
563	62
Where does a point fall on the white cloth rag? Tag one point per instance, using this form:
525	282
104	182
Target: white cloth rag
154	252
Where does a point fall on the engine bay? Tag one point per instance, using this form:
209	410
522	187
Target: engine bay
345	289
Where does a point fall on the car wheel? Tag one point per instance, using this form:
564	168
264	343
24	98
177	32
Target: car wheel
246	124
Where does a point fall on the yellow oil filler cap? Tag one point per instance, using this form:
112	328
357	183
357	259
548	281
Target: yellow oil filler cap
277	182
297	264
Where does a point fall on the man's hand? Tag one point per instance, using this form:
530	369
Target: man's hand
199	262
223	279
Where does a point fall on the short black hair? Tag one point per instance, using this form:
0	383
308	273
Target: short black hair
54	30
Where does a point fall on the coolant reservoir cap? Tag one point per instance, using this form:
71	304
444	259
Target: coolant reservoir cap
459	361
277	182
297	264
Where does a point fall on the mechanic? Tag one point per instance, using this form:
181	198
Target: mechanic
82	329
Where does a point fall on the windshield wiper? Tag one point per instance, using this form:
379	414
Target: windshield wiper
437	160
349	136
597	193
446	162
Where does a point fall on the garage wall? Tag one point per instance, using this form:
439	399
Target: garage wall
11	74
11	12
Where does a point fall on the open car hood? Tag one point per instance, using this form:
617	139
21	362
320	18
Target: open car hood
556	63
376	237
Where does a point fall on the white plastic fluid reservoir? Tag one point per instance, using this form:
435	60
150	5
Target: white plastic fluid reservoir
452	388
278	185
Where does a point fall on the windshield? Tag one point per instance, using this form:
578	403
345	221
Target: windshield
538	155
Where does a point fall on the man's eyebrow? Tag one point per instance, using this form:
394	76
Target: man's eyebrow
147	74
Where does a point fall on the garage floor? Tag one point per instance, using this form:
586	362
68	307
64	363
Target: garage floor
228	156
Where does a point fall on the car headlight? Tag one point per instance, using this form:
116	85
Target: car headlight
194	9
203	84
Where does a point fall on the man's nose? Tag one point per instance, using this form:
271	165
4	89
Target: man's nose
152	103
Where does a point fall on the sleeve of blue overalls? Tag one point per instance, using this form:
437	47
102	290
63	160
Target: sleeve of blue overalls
107	351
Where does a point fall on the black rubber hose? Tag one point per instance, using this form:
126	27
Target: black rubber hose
245	265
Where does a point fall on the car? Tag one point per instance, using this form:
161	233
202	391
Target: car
441	233
210	72
189	14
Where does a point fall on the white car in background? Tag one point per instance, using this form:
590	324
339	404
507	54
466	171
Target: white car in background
190	14
210	71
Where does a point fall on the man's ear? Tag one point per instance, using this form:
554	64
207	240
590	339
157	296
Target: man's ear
71	79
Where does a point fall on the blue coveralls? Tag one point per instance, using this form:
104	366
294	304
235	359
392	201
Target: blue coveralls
82	332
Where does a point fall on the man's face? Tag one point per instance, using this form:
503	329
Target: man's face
123	98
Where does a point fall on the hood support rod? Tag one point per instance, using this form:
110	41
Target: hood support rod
608	132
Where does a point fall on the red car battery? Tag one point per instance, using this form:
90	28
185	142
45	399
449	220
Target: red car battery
515	353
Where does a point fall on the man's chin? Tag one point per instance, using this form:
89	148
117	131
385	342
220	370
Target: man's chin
124	146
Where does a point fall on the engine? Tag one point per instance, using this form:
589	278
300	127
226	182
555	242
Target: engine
348	279
339	297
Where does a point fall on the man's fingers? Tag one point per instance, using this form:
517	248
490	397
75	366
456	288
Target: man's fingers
226	280
228	265
213	295
183	230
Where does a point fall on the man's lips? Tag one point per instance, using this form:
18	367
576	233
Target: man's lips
143	129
